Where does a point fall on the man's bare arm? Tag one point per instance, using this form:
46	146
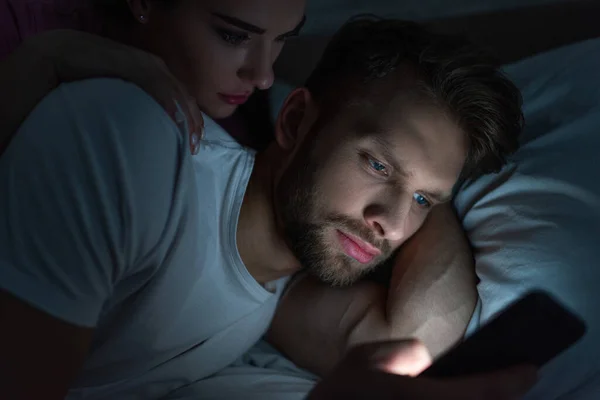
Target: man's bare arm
431	297
40	354
433	289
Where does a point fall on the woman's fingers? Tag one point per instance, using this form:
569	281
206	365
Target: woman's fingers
77	55
173	96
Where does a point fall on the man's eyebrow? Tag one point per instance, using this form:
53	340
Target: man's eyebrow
376	135
385	148
247	26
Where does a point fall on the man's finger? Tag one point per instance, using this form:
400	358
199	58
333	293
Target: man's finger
406	357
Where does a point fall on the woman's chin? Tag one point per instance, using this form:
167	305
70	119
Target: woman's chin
221	111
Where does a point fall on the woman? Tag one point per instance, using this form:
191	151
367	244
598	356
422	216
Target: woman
221	51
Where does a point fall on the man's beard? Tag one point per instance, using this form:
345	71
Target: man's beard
310	235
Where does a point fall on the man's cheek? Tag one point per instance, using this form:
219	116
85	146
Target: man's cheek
414	224
348	202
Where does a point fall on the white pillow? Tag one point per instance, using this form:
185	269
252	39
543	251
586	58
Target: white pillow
537	223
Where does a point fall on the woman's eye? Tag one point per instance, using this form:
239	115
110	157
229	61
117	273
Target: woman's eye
233	38
421	200
377	166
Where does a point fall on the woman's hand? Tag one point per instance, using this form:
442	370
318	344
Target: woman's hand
45	61
382	371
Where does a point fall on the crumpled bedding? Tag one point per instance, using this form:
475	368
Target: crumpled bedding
537	223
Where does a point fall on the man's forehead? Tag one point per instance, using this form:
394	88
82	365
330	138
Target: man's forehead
383	106
379	121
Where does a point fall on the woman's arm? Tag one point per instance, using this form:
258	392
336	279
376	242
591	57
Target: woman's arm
45	61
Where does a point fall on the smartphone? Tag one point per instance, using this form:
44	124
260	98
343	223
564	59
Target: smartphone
533	330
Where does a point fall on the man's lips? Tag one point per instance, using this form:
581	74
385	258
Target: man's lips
234	99
356	248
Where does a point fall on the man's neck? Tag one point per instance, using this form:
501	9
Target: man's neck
260	243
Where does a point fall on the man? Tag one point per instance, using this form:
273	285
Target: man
417	82
132	269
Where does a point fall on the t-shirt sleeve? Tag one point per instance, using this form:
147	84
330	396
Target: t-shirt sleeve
88	186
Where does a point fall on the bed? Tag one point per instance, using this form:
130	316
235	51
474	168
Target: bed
536	223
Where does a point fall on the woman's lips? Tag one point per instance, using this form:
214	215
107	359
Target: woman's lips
358	249
234	99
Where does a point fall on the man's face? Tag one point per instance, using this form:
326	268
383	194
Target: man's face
363	182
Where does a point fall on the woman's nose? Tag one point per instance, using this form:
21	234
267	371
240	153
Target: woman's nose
259	69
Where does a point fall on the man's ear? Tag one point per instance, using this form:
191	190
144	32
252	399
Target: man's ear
296	115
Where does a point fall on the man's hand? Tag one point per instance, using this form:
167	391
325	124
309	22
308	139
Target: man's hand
380	371
45	61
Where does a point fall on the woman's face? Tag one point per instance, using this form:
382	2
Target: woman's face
222	50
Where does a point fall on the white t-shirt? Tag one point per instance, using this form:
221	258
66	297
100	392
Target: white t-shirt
108	221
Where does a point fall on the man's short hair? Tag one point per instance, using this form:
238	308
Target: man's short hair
451	71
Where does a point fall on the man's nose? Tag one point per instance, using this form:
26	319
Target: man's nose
389	220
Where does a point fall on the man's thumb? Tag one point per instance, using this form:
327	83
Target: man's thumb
402	357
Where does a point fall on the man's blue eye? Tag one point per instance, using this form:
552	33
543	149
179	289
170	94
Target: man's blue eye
377	166
421	200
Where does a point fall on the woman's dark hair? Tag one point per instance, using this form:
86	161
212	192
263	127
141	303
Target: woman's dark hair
450	71
118	10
